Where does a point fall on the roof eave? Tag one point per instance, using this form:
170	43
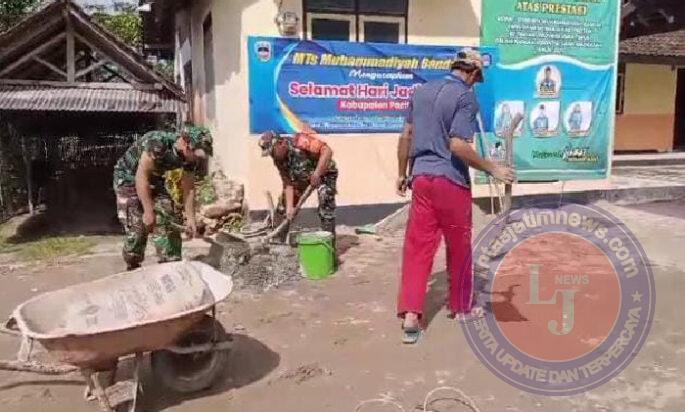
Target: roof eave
652	59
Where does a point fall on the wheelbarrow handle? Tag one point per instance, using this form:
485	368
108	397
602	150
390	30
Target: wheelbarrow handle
10	328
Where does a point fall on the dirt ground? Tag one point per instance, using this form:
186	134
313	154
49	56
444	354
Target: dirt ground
329	345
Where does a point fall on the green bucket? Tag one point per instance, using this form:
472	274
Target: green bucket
316	254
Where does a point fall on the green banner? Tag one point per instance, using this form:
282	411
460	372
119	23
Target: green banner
557	68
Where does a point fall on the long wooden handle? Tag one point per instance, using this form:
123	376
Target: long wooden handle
34	367
509	150
287	222
272	209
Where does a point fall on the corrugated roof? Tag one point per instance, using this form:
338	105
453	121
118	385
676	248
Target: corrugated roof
48	98
48	21
670	44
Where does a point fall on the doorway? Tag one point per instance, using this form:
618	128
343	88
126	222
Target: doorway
679	133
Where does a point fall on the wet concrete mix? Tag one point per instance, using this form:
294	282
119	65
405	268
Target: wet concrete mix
253	266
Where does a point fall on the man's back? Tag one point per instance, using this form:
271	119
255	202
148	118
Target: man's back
441	109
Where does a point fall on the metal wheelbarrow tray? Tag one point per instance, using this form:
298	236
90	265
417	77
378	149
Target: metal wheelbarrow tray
92	325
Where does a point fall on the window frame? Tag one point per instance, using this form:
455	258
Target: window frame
619	109
208	53
356	16
350	18
373	18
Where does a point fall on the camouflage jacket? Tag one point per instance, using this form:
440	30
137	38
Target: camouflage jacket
160	146
303	156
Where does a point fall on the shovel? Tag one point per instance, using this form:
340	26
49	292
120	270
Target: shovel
286	223
245	239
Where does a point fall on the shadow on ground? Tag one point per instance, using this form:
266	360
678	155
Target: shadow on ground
667	209
497	303
76	223
249	361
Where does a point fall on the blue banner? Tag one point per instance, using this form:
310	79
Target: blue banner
343	87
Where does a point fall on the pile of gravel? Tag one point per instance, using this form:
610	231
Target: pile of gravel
276	267
257	268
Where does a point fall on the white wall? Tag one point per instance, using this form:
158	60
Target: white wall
445	22
367	162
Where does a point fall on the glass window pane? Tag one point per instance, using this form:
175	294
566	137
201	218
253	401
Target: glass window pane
330	5
328	29
394	7
381	32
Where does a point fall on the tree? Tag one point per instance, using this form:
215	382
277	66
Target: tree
11	11
125	23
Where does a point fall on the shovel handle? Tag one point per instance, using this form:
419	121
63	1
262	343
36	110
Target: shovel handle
509	150
10	327
287	222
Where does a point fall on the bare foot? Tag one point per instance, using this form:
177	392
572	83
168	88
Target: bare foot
411	320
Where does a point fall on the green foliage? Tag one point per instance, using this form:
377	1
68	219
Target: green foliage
125	24
12	174
166	68
11	11
204	189
49	247
205	193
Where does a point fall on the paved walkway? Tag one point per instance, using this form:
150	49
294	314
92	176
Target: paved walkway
660	182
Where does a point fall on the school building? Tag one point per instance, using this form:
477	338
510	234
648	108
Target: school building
208	39
650	107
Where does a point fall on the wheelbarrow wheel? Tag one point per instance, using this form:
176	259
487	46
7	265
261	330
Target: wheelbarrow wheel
188	373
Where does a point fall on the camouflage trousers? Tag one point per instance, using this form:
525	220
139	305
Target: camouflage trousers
326	193
165	237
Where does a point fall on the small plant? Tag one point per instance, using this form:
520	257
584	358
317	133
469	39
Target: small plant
205	193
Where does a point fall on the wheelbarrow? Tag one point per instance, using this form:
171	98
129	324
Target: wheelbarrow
165	310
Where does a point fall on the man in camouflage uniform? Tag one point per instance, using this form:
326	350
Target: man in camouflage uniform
143	203
304	160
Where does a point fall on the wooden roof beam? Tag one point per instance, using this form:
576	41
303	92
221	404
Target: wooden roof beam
71	48
29	56
136	67
90	68
50	66
99	50
83	85
17	42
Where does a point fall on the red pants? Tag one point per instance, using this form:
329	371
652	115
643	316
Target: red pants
438	206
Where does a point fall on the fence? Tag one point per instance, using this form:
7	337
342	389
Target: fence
29	165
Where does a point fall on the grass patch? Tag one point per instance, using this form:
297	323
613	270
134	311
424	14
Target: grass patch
49	247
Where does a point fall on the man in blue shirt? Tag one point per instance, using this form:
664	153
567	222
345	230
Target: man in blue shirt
436	142
505	119
576	120
541	123
548	86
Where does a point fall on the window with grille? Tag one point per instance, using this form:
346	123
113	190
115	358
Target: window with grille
372	21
